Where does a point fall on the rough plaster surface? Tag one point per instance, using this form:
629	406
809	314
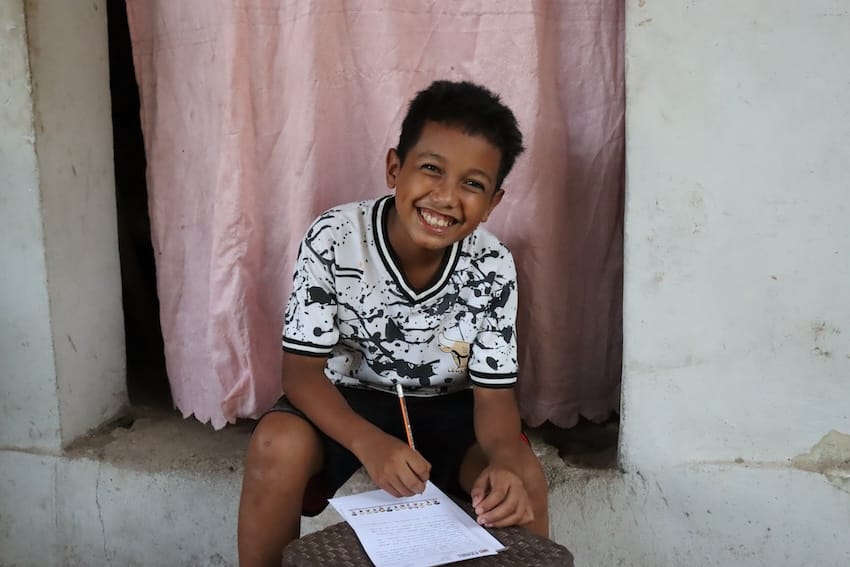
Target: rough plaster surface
706	515
830	457
73	127
61	326
736	314
29	411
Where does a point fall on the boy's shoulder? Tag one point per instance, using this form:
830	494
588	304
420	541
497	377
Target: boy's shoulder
350	210
484	246
345	218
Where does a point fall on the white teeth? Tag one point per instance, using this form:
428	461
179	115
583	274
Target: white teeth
437	221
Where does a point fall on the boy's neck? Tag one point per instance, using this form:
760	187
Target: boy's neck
420	265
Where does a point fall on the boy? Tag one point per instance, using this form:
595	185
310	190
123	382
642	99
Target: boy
405	289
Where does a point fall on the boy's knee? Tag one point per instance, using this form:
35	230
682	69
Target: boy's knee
534	478
281	439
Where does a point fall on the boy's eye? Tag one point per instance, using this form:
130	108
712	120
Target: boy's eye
473	184
430	167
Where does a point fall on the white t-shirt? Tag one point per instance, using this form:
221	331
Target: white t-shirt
351	303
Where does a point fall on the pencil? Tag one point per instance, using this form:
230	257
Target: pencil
404	415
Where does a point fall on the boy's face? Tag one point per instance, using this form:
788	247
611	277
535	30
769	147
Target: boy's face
445	188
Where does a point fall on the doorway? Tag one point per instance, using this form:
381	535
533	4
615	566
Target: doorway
147	379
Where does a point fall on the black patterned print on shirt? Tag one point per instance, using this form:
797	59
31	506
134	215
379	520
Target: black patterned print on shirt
351	303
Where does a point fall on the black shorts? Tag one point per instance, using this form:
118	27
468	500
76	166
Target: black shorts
442	428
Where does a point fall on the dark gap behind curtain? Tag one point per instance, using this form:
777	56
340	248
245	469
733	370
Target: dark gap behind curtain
147	382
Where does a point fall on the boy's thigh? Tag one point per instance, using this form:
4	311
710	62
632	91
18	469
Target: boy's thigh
442	428
443	431
336	466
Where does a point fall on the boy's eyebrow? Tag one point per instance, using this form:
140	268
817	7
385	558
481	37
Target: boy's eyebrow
482	174
431	155
441	158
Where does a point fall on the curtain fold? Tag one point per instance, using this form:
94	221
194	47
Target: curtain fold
259	115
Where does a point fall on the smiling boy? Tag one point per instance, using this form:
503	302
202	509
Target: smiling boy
403	289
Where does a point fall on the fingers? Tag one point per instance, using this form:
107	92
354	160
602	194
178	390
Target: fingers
514	509
500	500
405	482
497	495
479	490
420	471
409	484
387	486
404	473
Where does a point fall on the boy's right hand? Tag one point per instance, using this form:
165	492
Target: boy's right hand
393	465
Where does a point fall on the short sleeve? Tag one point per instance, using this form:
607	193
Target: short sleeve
493	360
309	326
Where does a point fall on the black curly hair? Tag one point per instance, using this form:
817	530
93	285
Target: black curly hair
469	107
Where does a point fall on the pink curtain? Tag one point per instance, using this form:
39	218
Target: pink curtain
257	115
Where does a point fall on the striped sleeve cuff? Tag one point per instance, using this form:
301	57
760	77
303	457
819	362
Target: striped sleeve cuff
487	380
305	349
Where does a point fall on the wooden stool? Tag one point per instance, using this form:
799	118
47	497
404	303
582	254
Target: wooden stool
338	545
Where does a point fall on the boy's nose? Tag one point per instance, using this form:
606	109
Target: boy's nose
444	192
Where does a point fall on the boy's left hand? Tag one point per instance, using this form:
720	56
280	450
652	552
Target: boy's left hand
499	498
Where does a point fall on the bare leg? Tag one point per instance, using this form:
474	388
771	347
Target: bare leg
474	461
284	453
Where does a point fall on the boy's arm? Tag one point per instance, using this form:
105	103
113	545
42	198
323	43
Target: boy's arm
499	496
391	464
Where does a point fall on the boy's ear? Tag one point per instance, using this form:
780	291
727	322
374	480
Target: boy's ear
393	167
494	200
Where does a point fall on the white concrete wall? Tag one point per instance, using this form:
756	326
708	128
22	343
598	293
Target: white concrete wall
29	409
736	308
70	72
737	311
61	331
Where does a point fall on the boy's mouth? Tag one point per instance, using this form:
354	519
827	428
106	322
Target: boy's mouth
434	219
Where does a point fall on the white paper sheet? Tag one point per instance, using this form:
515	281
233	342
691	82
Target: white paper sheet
417	531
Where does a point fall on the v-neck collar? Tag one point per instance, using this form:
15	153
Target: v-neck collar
380	213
